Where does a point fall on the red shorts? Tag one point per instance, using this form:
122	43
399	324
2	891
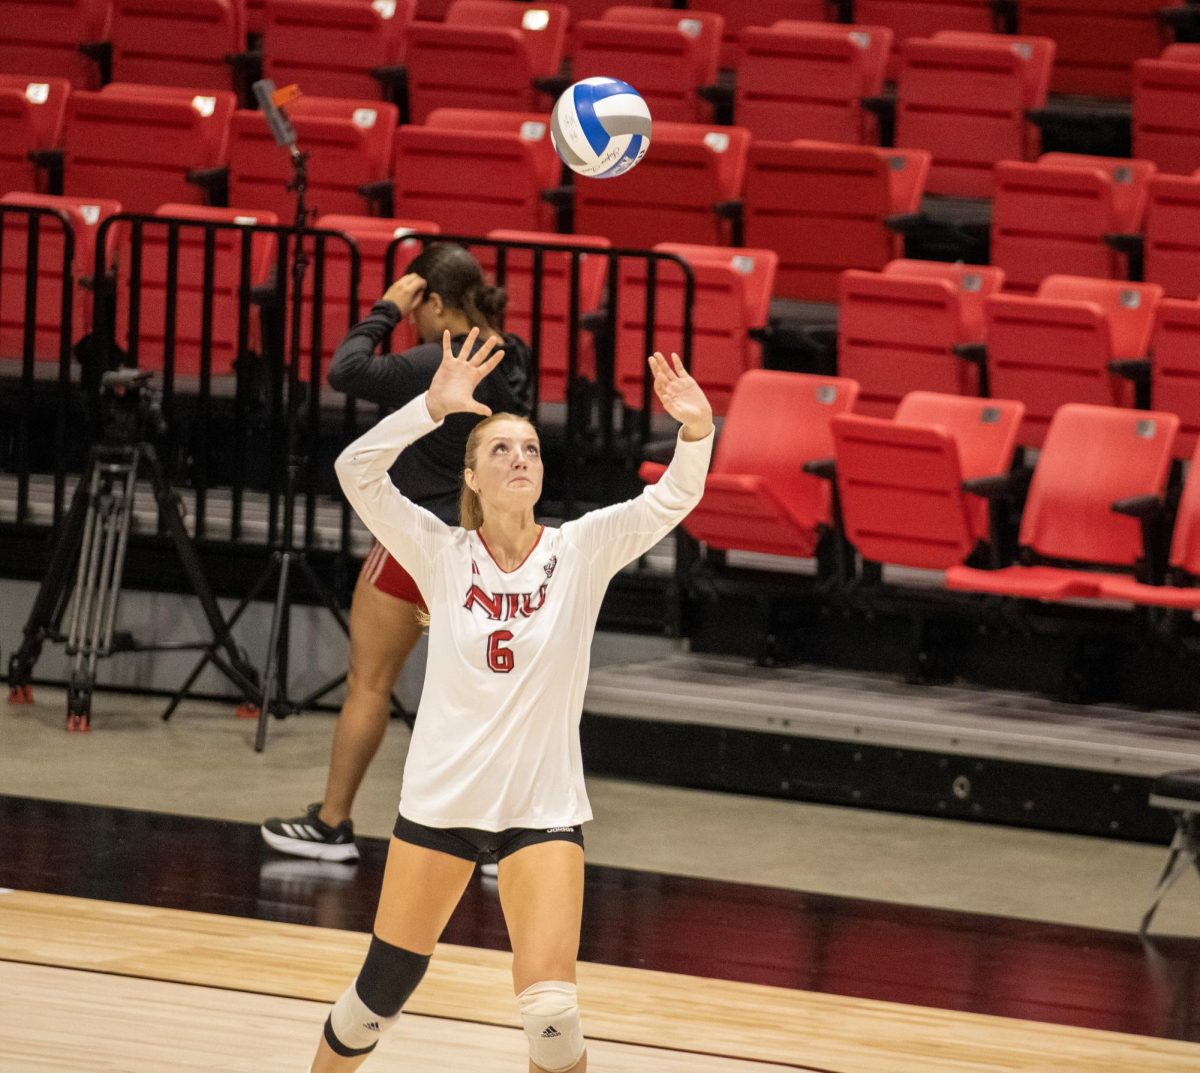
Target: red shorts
387	575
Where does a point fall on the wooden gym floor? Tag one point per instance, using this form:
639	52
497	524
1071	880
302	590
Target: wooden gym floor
138	942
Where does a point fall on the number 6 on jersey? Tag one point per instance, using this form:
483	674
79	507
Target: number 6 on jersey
499	658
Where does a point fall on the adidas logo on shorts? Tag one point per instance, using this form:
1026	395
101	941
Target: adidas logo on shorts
551	1033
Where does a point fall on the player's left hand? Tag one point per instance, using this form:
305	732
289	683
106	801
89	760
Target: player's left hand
681	396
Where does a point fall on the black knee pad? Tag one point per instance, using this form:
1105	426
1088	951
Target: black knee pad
389	976
372	1004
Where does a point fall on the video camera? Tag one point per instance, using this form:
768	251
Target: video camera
130	410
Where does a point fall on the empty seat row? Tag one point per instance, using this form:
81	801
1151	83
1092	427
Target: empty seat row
915	490
1098	40
951	329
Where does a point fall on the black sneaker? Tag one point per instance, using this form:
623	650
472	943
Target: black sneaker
310	836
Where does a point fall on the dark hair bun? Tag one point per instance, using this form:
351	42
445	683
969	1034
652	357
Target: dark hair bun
491	302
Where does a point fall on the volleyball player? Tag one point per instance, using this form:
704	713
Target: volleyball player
443	290
494	766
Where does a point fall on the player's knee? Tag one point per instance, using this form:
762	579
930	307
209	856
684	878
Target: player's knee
550	1013
372	1004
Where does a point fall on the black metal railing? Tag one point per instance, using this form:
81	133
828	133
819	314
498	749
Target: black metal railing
210	305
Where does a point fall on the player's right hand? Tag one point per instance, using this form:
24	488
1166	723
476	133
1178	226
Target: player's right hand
406	293
452	389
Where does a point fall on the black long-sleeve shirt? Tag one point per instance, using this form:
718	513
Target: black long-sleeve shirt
430	471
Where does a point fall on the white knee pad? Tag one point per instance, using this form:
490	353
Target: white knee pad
355	1027
550	1013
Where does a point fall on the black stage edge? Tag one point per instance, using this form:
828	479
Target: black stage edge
947	785
956	961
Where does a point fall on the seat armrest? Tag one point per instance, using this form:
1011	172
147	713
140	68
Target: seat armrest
1139	506
213	181
1151	512
1004	15
823	468
884	111
100	53
975	353
905	223
552	85
731	211
1132	244
378	193
51	162
997	486
721	98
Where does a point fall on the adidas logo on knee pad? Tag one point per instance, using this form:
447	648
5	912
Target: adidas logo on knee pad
551	1033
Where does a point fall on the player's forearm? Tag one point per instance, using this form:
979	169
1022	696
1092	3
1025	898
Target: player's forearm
370	457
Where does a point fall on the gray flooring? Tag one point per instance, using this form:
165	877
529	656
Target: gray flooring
133	760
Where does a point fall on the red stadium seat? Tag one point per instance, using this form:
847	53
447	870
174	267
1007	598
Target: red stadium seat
1093	457
739	15
190	292
1098	40
83	218
1181	593
667	55
757	497
900	482
898	330
555	296
32	111
145	146
1166	109
924	18
1172	234
1053	216
191	44
676	194
1058	347
486	54
474	171
822	208
964	97
808	80
731	298
1175	369
350	143
336	48
49	38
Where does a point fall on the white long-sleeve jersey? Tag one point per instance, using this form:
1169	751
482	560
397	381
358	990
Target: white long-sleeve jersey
496	743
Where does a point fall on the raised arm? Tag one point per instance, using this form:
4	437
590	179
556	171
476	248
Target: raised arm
614	536
412	534
391	380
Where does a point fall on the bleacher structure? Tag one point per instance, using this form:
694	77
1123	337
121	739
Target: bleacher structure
937	265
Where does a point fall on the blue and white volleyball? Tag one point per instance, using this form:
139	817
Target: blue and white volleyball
600	127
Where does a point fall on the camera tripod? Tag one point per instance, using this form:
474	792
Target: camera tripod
95	535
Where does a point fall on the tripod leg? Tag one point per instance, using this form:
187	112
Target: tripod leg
210	652
50	601
171	514
270	671
114	517
84	613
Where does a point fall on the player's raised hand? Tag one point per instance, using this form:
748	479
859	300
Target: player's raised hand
453	387
681	396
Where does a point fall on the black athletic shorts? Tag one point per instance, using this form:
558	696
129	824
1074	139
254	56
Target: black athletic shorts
473	845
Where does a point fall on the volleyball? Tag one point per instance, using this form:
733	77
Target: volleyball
600	127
